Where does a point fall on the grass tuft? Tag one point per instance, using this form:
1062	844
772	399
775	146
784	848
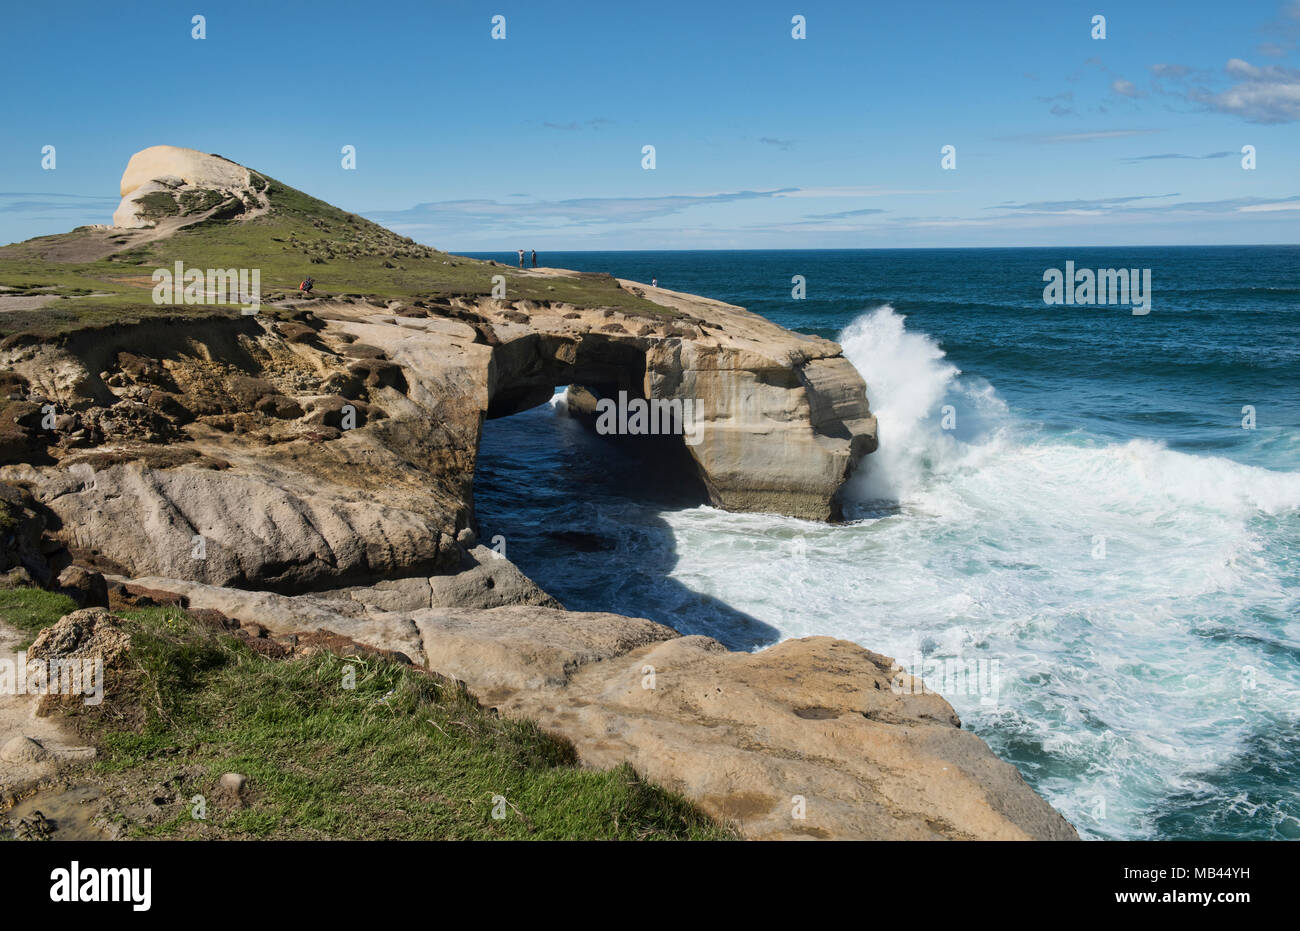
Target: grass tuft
31	610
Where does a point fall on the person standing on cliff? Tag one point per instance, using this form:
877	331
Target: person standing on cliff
521	258
534	258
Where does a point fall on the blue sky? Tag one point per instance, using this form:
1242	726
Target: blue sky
762	141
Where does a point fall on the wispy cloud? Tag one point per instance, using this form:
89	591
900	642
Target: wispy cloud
574	125
600	218
1285	31
16	202
1131	206
1094	136
1126	88
785	144
1064	206
474	215
1288	203
864	212
1261	95
1167	155
1062	103
851	191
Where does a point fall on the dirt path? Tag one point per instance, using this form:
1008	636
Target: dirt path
39	760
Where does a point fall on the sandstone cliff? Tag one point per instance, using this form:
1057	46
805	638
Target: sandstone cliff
311	467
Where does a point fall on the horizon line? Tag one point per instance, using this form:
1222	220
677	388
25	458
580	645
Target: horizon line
1207	245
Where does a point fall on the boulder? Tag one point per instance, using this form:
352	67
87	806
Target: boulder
22	749
262	528
85	586
89	632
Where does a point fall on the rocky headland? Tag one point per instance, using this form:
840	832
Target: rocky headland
310	468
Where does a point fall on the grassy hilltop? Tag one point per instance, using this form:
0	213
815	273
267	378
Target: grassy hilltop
99	277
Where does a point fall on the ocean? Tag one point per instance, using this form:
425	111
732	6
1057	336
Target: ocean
1082	526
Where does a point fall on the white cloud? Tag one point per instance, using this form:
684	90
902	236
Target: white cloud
1270	208
1264	95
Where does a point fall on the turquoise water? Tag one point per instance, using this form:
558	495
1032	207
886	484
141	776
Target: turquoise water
1093	524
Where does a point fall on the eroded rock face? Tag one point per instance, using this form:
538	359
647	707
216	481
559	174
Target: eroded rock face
341	450
784	425
782	418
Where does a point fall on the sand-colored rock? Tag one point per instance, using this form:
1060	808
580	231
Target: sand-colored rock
22	749
742	734
189	166
265	529
171	171
803	739
92	633
280	505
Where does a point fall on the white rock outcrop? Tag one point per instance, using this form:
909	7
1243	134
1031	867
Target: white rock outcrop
171	171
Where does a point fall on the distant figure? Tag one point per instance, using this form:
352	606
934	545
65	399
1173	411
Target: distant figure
521	258
654	282
305	285
534	258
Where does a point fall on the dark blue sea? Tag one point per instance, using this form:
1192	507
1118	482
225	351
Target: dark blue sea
1082	526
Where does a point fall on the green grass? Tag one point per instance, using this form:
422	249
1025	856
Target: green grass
298	237
158	204
400	756
31	610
